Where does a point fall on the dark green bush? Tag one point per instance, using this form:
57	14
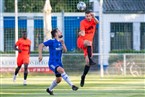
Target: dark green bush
127	51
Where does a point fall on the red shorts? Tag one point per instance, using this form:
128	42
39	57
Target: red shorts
22	59
80	44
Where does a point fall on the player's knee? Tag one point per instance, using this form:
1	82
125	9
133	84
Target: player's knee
18	68
26	68
25	71
87	43
60	70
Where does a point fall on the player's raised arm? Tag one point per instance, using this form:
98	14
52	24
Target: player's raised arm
40	51
63	46
95	19
82	29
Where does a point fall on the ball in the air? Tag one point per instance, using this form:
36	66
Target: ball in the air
81	6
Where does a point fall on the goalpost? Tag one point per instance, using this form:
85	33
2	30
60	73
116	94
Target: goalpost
16	24
98	7
101	39
16	20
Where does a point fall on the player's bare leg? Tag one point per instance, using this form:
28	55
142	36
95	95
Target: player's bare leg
16	72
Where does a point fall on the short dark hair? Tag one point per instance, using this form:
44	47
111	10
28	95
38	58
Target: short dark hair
88	11
24	32
53	32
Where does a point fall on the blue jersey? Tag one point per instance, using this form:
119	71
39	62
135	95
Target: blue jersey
55	50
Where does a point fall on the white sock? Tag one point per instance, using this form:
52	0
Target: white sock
14	78
25	82
54	84
66	78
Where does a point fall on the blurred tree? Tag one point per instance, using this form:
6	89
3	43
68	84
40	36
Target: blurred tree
31	5
9	5
37	5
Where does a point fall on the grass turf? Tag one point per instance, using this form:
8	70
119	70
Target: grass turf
94	87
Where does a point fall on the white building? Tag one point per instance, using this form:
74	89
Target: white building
123	25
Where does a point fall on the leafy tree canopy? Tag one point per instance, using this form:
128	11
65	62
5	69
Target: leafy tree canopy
37	5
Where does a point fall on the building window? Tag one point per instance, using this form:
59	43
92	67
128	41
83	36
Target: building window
121	36
142	36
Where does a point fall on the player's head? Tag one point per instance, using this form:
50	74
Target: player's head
88	15
24	34
56	33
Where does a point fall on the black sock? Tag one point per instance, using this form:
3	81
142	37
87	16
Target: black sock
25	75
17	70
86	69
89	51
25	71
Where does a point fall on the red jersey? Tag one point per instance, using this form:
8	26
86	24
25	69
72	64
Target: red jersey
24	46
89	27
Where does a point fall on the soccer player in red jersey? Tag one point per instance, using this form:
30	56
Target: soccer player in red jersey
85	39
23	48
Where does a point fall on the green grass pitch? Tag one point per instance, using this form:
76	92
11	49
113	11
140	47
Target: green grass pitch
94	87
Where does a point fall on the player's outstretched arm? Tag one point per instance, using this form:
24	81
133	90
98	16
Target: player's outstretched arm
40	51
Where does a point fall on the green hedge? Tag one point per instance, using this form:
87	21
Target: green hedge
127	51
73	63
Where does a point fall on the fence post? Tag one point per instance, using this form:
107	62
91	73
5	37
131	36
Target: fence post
1	25
62	15
124	61
101	48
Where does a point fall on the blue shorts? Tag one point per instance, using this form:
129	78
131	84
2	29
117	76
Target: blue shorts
53	66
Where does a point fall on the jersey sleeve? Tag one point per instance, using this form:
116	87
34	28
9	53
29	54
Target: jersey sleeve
82	26
48	43
17	43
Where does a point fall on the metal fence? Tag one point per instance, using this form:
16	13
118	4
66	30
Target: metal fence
114	65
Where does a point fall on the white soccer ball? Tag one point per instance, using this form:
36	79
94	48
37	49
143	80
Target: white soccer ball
81	6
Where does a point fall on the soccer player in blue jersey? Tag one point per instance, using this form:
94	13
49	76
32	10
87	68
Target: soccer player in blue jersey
56	46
